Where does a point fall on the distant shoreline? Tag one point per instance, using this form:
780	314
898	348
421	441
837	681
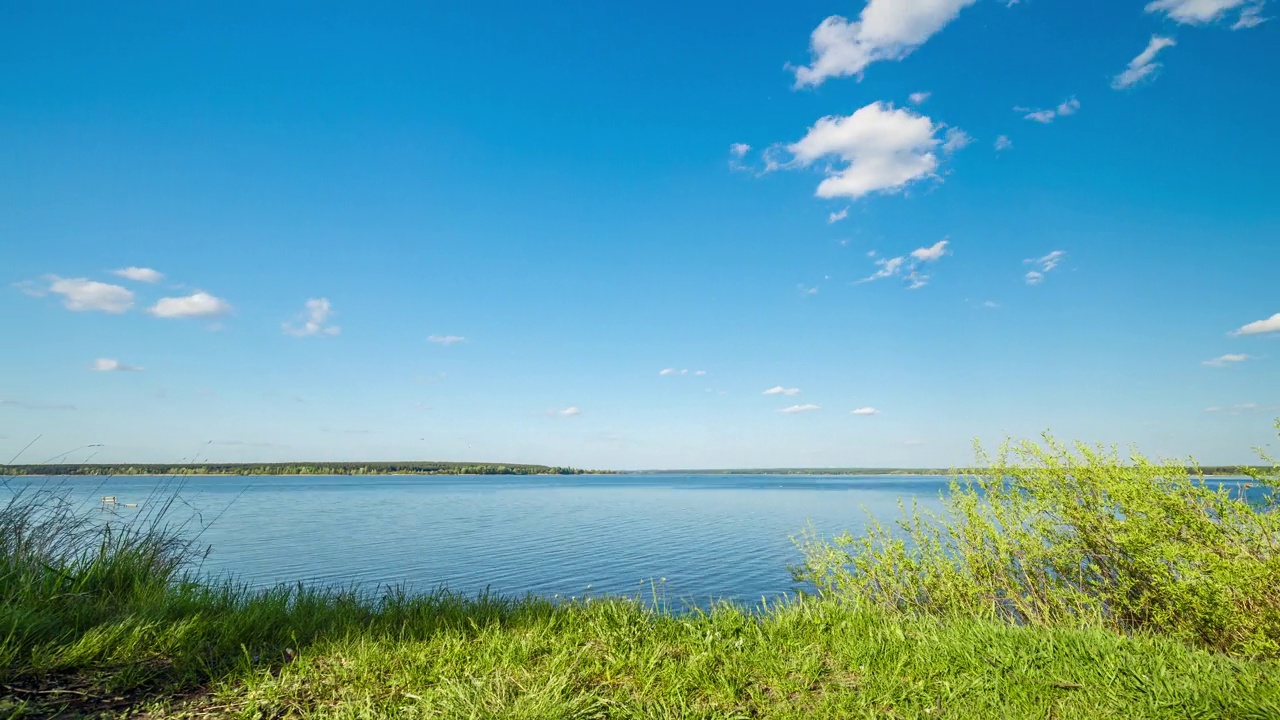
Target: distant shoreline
469	470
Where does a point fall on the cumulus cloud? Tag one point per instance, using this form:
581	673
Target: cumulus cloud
82	295
1250	17
1259	327
865	411
1067	107
139	274
1144	65
836	217
931	253
737	152
918	98
779	390
1200	12
313	320
956	139
886	30
908	266
446	340
110	365
879	148
1043	266
1003	143
1224	360
197	304
888	268
799	409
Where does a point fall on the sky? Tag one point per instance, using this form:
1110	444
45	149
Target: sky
823	233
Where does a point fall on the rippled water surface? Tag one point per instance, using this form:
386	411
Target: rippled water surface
722	537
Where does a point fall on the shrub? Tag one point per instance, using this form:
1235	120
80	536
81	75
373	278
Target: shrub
1052	535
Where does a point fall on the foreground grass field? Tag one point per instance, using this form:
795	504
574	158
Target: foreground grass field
1076	587
196	653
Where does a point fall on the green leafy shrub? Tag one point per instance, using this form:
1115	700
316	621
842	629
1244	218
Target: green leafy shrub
1056	535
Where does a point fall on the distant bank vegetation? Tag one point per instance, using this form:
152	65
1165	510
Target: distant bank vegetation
451	468
354	468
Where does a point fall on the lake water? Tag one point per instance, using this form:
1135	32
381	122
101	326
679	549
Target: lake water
710	537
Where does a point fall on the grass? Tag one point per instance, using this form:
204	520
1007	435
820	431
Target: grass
100	620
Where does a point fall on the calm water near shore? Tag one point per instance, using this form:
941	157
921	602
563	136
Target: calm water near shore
722	537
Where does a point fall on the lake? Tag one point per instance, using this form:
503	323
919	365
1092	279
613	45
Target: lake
710	537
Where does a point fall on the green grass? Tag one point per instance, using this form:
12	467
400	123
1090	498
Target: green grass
101	620
197	651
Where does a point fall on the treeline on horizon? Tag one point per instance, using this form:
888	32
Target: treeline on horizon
294	468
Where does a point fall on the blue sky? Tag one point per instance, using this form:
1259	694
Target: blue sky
482	231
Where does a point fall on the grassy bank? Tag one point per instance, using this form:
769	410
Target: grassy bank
1081	587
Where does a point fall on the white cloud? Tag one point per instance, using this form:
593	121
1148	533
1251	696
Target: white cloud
888	268
109	365
1044	265
314	319
446	340
991	304
909	266
916	280
1144	65
673	371
865	411
739	149
806	290
799	409
779	390
918	98
700	372
1050	261
82	295
1250	17
1269	325
1067	107
139	274
886	30
933	252
1003	143
197	304
882	148
836	217
570	411
1224	360
1200	12
956	139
